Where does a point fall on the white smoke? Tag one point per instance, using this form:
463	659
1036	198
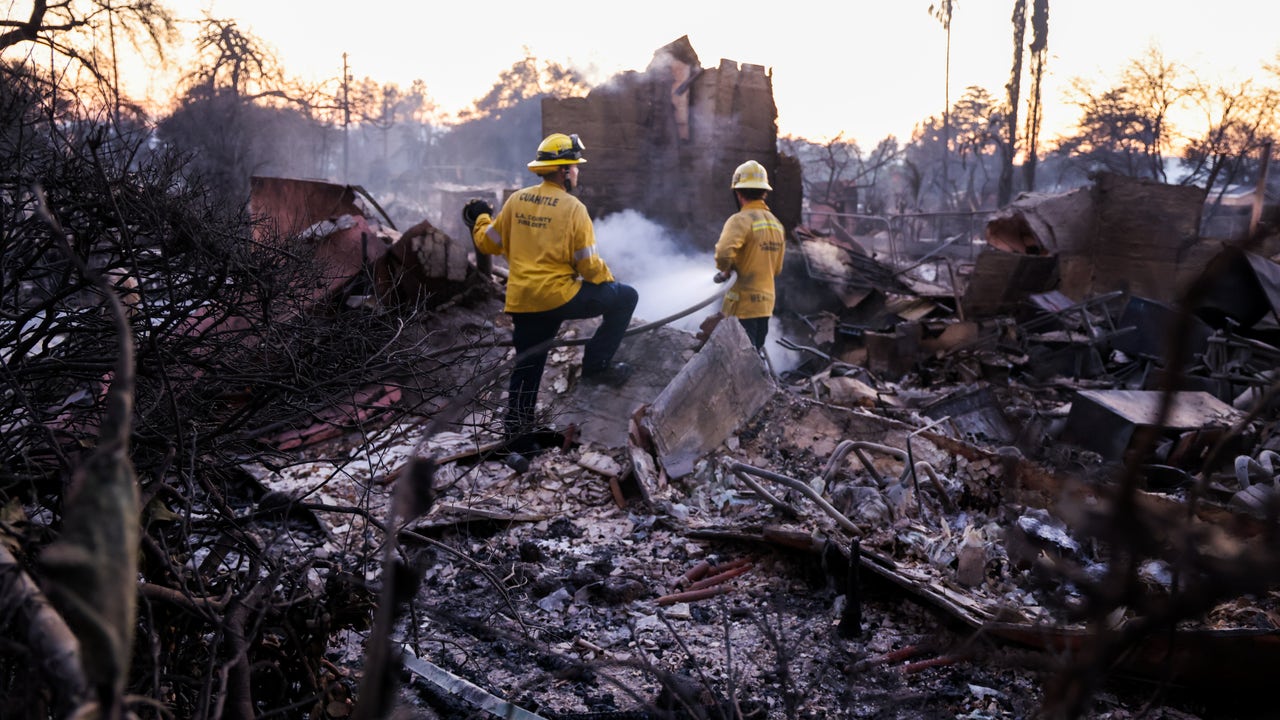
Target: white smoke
642	254
669	279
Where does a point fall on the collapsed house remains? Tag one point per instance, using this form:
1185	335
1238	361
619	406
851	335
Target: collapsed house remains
665	142
1056	430
1007	443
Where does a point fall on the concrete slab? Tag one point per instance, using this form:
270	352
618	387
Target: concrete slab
722	386
602	413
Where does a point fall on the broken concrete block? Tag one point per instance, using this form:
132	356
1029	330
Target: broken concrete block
971	558
723	385
602	413
849	391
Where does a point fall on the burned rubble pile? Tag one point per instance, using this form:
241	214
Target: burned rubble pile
1057	475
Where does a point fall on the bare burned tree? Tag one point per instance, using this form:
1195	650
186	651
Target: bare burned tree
1240	120
840	174
1126	128
231	342
527	78
71	30
976	140
240	114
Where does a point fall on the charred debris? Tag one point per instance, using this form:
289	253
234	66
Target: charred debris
992	464
1052	430
1002	466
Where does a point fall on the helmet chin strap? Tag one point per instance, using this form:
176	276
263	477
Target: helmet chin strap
565	180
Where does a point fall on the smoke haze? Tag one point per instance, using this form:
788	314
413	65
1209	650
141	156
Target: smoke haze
644	255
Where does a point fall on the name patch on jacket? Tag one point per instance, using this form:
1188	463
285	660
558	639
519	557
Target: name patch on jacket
533	221
537	199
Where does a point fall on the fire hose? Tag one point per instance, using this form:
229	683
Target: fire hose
554	343
656	323
454	408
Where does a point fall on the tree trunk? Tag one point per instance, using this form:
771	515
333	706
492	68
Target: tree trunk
1039	54
1004	190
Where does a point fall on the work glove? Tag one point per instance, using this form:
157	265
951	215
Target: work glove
472	211
722	276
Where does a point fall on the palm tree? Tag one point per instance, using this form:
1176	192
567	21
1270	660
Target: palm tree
1039	54
942	11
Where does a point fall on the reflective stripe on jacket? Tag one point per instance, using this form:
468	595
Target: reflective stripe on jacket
752	245
550	246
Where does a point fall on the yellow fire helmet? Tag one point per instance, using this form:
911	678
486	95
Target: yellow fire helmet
556	150
750	175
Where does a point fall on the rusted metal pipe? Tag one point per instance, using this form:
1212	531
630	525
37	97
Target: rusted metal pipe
720	577
940	661
692	595
717	568
768	497
844	522
618	497
893	656
697	572
857	447
809	492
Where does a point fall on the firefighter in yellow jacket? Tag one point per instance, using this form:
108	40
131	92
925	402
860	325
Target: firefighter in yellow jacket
555	274
751	245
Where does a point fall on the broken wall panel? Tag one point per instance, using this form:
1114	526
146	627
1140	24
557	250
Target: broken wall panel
1245	289
1121	233
976	413
287	206
1146	234
322	217
1001	280
1061	222
1153	322
894	354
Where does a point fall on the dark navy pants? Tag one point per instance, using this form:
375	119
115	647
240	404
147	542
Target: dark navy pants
757	330
612	302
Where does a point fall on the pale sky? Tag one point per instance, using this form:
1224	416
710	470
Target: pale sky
866	68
